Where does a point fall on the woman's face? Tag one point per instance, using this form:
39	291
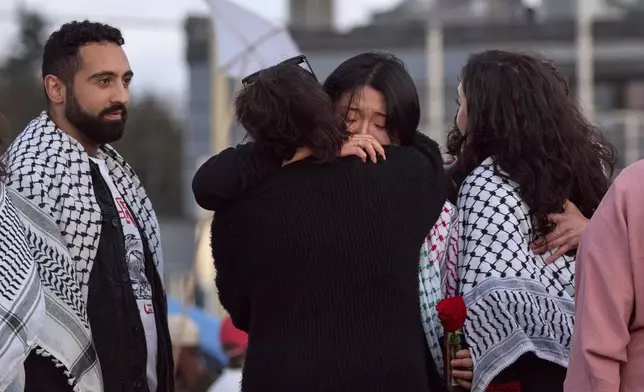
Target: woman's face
365	114
461	116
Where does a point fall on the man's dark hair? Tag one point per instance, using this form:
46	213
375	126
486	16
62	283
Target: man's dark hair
61	54
285	108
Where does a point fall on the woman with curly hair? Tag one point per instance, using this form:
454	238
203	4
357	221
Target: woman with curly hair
523	151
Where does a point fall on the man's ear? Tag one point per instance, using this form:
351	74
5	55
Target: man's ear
55	89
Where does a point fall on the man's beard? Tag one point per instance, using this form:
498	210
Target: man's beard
96	128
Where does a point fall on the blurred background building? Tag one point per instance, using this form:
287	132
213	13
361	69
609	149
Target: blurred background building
547	27
468	26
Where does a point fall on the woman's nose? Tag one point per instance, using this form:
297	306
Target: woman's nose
363	128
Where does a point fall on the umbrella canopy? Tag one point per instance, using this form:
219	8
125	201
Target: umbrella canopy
209	327
246	42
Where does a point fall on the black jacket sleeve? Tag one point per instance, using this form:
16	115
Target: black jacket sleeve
226	176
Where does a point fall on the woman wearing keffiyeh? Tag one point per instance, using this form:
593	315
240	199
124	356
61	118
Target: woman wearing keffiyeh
523	150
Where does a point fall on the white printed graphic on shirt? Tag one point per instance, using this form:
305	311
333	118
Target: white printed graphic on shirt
141	287
136	267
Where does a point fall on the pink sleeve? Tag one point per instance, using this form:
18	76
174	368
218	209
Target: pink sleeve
604	295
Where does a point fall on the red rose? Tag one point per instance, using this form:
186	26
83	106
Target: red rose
452	312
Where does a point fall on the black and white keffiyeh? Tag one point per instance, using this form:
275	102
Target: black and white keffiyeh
516	302
22	305
50	184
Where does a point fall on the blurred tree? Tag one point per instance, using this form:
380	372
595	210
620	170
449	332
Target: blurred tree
21	93
152	145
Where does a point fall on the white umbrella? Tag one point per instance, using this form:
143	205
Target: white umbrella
247	42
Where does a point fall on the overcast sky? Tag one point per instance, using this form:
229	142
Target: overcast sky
156	51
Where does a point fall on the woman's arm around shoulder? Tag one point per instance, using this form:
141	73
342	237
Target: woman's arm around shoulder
225	176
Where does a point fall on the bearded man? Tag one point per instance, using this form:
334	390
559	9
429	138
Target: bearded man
89	226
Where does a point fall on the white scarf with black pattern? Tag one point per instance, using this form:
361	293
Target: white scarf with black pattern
22	304
516	302
50	184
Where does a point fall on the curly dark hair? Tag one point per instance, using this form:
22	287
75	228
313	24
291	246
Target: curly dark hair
60	56
286	108
519	112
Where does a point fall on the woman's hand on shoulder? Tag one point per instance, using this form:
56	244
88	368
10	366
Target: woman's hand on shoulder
363	146
569	228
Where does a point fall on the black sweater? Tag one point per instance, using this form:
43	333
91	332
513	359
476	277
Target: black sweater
319	264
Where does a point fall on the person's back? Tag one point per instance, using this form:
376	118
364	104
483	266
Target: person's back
326	258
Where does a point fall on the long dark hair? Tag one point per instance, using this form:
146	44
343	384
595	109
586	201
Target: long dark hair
519	112
285	108
385	73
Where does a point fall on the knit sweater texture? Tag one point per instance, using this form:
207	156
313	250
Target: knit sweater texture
319	264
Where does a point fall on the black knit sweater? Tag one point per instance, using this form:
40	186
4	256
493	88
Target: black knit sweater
319	264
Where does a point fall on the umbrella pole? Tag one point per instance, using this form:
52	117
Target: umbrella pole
216	145
219	99
435	96
220	110
585	59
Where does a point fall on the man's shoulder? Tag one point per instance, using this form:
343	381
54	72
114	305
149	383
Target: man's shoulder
33	162
35	145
